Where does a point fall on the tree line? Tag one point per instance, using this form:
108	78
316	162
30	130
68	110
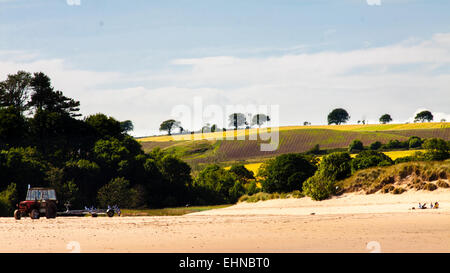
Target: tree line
236	120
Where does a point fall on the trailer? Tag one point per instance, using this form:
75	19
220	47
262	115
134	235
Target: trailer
94	212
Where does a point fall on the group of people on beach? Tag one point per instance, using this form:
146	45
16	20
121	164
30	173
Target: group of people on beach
432	206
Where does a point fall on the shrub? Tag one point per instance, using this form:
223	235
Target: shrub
375	146
8	200
430	187
242	173
437	149
116	192
216	185
387	188
335	166
319	187
442	184
398	190
414	142
356	146
286	172
367	159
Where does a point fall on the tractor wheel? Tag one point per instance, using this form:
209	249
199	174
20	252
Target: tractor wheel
17	214
51	211
110	213
34	214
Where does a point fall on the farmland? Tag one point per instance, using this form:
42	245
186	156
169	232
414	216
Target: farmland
208	148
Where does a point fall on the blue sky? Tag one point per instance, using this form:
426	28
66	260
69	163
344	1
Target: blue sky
306	56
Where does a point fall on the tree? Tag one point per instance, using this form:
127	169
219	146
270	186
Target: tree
13	127
213	128
117	192
217	185
286	172
104	126
260	119
126	126
44	97
386	118
414	142
356	146
375	145
338	116
14	91
241	172
436	149
169	125
237	119
423	116
335	166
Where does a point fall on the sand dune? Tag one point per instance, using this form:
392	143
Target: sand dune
344	224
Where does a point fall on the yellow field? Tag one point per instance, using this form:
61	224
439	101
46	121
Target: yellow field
393	155
242	133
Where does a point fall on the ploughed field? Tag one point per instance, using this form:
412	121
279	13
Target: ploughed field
207	148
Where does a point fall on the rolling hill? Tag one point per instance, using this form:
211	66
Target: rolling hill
213	148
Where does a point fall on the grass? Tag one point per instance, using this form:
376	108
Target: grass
263	196
417	175
169	211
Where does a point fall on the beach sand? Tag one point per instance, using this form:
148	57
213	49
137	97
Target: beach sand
342	224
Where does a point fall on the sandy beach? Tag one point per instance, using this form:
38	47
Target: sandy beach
343	224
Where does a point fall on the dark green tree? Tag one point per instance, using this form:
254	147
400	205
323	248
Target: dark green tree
356	146
14	91
338	116
423	116
386	118
286	172
44	97
169	125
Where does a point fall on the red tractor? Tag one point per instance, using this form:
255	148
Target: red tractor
39	201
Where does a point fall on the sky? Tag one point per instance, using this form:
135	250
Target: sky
145	60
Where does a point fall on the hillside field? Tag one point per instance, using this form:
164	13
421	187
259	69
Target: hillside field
213	148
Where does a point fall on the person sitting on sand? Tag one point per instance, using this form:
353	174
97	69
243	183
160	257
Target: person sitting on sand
431	205
420	206
436	205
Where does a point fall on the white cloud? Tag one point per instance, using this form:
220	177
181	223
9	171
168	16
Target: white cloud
368	82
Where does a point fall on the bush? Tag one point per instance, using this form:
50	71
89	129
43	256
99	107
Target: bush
286	172
437	149
387	188
8	200
414	142
216	185
375	146
430	187
398	190
442	184
356	146
116	192
335	166
367	159
319	187
242	173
